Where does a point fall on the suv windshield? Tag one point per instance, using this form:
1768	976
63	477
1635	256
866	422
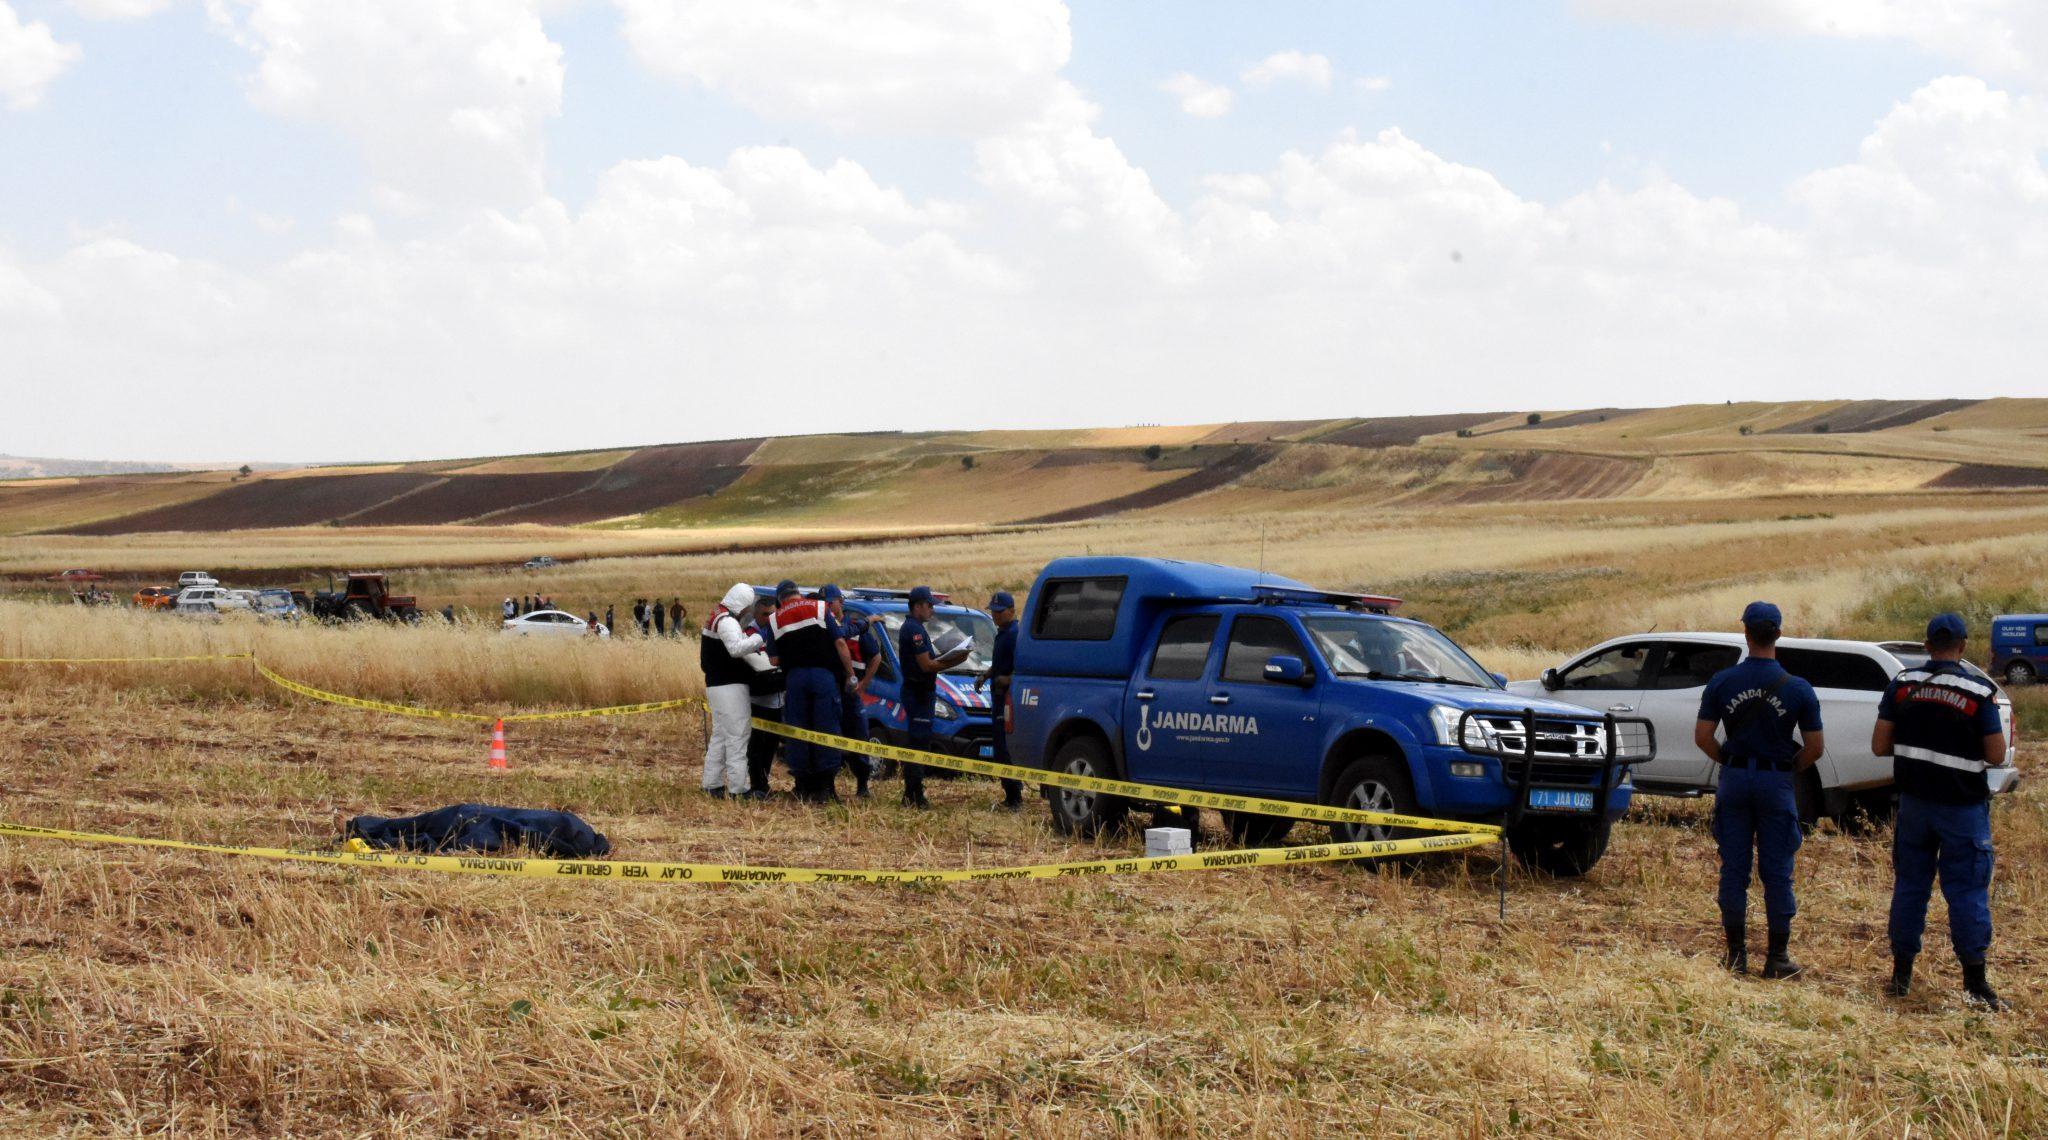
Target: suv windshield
945	626
1391	651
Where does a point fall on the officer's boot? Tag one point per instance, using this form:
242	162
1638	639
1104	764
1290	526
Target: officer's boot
1777	963
1978	991
826	789
1902	976
863	771
802	789
1737	957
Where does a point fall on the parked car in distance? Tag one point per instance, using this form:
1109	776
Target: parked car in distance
551	623
541	563
76	576
2019	647
1661	676
196	578
277	604
155	597
204	600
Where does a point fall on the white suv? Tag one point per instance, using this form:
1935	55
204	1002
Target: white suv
211	600
196	578
1662	675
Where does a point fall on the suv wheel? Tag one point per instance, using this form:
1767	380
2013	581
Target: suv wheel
885	768
1249	829
1374	783
1565	848
2020	673
1084	814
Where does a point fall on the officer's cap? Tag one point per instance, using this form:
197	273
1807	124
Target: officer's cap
1001	600
1762	614
1946	627
831	593
784	589
920	594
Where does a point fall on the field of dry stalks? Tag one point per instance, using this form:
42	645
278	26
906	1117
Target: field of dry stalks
146	992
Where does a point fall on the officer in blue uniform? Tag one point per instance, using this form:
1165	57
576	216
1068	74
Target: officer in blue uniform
1002	667
808	649
1940	725
920	686
851	723
1759	705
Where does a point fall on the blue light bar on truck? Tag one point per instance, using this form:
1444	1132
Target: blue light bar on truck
878	594
1285	595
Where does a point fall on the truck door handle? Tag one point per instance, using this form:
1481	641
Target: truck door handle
1621	708
1146	694
1219	699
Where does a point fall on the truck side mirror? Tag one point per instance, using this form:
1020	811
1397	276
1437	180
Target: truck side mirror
1287	670
1500	679
1550	681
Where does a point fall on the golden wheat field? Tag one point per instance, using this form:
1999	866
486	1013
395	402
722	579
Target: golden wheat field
161	992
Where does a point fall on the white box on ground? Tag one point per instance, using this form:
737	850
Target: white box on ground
1169	841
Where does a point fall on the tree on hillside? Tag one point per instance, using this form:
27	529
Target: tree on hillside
244	471
1154	452
1535	418
967	463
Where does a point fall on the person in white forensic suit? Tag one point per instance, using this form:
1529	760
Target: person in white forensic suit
723	649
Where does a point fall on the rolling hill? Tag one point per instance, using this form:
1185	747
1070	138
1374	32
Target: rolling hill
996	477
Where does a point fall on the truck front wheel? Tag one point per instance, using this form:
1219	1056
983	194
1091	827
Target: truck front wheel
1564	848
1373	783
1081	814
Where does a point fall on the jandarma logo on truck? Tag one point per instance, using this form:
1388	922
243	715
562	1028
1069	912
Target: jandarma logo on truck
1213	724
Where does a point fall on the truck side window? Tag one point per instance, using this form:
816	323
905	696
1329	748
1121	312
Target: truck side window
1827	669
1688	666
2041	635
1079	609
1255	640
1184	647
1618	668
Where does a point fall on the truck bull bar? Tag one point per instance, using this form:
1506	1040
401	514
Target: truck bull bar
1619	743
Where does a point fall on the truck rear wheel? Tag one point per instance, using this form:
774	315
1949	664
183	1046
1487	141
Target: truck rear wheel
1250	829
2020	673
1084	814
1564	848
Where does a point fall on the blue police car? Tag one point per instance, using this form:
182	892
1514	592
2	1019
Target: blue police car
2019	647
1223	679
963	722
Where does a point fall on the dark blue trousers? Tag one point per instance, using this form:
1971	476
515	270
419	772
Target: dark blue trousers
1756	824
918	712
811	701
853	723
1953	840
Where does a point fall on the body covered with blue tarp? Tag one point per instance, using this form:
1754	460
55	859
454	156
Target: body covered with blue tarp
484	828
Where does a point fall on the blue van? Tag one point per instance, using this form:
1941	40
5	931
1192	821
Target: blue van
963	723
2019	647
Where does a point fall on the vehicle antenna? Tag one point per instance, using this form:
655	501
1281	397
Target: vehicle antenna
1262	550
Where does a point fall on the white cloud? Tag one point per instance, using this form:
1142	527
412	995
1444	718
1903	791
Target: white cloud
447	101
953	67
2007	38
1374	84
1289	67
1199	97
30	59
117	9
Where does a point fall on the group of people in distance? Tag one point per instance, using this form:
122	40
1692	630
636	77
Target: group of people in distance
804	661
1940	724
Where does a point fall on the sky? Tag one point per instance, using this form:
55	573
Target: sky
295	230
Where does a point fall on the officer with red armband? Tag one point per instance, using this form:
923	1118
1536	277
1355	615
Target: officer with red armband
807	647
1940	725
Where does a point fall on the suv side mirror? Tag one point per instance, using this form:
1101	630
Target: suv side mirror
1287	670
1550	681
1500	679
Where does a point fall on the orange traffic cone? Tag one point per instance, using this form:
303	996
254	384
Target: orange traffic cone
498	745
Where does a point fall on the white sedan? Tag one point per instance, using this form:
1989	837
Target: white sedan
552	623
1661	676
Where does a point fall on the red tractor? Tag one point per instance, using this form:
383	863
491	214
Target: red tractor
364	595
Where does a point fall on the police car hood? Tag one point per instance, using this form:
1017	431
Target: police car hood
1467	697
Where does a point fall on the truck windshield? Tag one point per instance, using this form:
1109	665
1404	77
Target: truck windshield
1392	651
948	627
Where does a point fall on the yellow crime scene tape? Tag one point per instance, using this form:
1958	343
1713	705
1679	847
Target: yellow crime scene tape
1461	835
591	870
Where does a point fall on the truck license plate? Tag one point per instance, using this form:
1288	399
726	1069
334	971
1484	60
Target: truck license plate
988	752
1548	799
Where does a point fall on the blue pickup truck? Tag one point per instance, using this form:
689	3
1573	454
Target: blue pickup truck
2019	647
1199	676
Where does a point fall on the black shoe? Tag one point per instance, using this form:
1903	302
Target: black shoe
1737	956
1011	803
715	793
1902	976
918	803
1777	963
1978	992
